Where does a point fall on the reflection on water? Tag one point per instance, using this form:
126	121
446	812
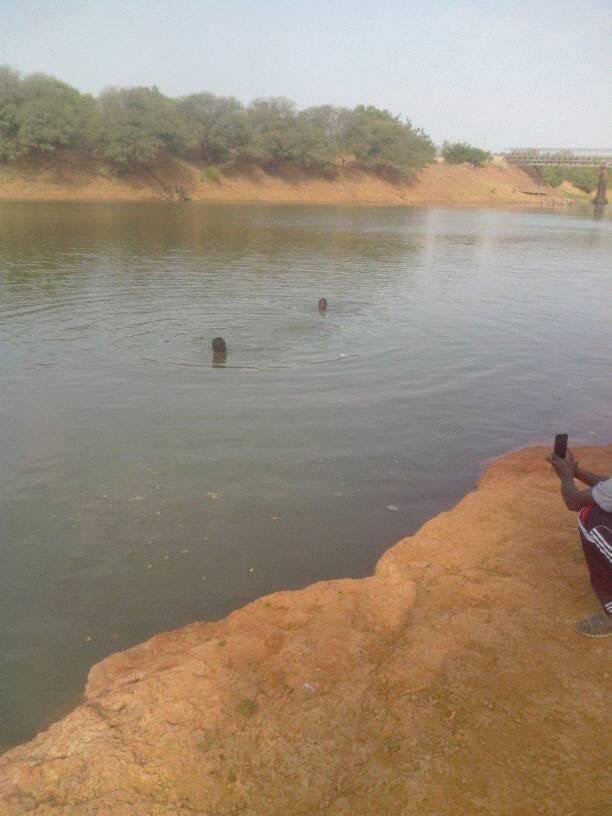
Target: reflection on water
143	487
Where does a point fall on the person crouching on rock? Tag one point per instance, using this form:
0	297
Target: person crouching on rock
595	528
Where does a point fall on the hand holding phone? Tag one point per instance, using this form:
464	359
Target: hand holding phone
560	448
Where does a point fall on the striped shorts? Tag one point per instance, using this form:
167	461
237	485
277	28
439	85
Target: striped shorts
595	527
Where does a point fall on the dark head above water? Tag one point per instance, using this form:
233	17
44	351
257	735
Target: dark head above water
322	305
219	345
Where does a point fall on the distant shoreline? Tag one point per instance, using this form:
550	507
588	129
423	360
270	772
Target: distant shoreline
66	177
467	205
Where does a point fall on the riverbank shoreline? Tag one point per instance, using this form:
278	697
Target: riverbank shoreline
65	177
443	683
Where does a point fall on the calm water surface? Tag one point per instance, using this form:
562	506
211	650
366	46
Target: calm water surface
141	488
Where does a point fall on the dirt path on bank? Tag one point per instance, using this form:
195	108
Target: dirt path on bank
66	177
450	683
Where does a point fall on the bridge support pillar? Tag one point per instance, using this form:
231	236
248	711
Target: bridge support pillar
600	197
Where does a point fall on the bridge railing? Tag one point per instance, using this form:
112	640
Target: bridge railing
580	156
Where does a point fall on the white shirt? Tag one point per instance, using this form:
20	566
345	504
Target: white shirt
602	493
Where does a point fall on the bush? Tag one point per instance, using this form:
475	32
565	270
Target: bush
210	174
553	176
585	178
462	152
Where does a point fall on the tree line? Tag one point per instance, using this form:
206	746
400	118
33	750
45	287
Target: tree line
130	128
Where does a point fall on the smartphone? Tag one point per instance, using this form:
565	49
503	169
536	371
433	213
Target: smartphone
560	445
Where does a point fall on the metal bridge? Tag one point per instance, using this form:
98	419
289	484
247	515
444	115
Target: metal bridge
565	157
559	156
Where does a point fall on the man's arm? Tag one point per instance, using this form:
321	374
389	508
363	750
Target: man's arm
565	469
575	499
588	478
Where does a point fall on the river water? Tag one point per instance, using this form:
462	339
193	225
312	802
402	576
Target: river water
142	488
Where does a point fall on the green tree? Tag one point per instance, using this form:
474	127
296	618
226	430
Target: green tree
134	125
273	133
217	124
382	141
462	152
10	103
52	114
321	135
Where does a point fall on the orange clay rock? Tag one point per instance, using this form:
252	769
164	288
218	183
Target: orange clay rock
450	683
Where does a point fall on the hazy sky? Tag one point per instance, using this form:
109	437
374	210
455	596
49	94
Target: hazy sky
494	72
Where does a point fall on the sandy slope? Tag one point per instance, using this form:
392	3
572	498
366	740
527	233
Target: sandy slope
450	683
66	177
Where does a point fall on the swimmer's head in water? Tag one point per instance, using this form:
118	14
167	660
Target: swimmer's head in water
322	304
219	345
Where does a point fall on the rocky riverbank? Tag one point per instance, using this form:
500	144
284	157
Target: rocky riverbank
450	682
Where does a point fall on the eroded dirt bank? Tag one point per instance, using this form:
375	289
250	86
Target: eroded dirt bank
65	177
450	682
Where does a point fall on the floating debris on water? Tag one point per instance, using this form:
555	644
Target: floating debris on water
136	498
392	507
